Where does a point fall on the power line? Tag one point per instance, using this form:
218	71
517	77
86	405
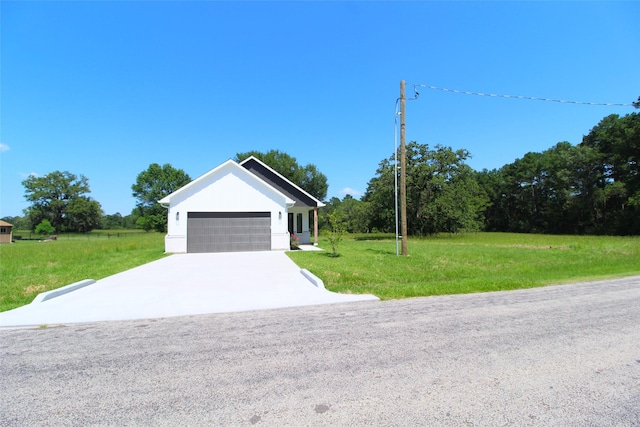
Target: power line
528	98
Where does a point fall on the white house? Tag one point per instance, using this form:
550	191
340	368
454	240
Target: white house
234	207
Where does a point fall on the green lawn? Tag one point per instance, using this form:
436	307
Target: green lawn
30	267
452	264
368	264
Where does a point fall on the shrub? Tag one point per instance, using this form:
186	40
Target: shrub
44	228
294	241
337	232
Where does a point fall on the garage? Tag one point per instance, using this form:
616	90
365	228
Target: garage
228	231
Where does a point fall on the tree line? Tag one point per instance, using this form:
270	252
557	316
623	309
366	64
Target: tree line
589	188
59	201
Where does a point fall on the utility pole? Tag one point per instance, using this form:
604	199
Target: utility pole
403	175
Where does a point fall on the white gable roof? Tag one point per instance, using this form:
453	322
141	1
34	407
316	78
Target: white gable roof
229	164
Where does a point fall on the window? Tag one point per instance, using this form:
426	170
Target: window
299	223
3	230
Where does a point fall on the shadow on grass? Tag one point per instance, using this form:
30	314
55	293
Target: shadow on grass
365	237
369	250
380	252
330	255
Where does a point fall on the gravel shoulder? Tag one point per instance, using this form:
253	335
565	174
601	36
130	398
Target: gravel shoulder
559	355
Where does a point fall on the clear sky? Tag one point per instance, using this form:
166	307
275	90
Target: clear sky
105	88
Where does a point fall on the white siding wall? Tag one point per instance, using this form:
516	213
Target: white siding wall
229	191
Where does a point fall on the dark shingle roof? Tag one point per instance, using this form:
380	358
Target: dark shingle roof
279	182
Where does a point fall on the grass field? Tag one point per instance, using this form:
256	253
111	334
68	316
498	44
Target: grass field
452	264
447	264
30	267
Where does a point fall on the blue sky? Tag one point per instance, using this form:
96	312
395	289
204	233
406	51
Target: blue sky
104	89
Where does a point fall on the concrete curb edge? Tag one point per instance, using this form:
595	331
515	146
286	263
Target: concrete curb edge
44	296
317	282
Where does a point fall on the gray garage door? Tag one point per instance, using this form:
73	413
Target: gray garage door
228	231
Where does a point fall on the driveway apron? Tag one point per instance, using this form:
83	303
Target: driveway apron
184	284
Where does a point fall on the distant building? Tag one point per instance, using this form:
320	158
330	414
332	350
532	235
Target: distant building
6	232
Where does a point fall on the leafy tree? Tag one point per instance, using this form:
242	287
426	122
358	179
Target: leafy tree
615	174
83	214
152	185
307	177
18	222
59	197
445	194
44	228
355	213
117	221
536	193
130	221
562	176
492	183
323	213
521	190
442	192
380	195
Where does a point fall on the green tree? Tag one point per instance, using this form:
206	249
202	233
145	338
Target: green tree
18	222
307	177
492	183
445	194
323	213
44	228
522	183
151	185
59	197
615	174
442	192
380	195
117	221
83	214
541	192
525	188
355	213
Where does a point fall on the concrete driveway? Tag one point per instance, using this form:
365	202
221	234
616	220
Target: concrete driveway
180	285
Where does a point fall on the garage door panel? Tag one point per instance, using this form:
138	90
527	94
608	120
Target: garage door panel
228	231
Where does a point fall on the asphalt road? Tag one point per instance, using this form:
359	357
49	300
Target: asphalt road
556	356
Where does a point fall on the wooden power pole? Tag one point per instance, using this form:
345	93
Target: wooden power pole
403	175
